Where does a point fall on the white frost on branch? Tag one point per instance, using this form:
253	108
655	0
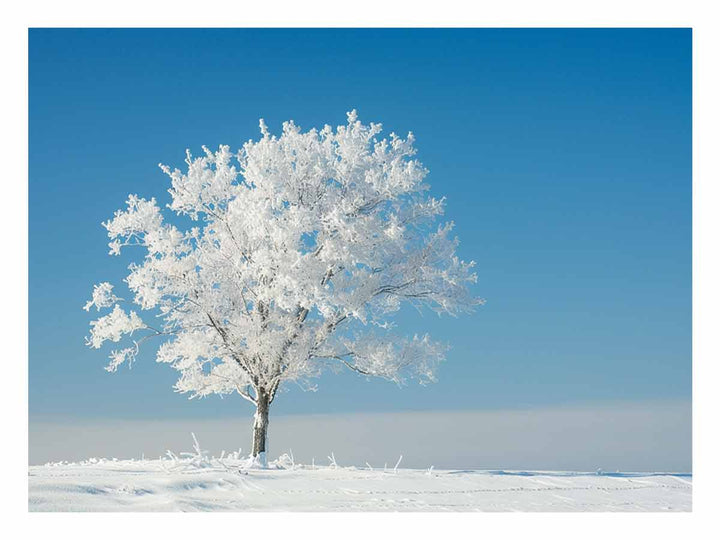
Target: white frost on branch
102	297
113	326
391	357
118	357
303	242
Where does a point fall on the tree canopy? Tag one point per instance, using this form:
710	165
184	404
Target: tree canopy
305	246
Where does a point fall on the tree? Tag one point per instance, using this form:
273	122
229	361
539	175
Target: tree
306	244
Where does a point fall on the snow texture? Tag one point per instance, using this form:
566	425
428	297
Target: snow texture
228	485
195	481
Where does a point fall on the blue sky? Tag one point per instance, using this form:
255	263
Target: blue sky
565	156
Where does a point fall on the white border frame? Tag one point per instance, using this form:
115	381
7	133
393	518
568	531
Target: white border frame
327	13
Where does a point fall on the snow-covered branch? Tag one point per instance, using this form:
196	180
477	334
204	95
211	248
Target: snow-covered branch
390	357
113	326
102	297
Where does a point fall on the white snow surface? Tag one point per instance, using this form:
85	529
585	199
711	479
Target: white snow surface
196	482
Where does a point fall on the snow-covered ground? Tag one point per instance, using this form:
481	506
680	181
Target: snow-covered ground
199	483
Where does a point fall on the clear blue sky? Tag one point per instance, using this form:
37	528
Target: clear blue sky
565	156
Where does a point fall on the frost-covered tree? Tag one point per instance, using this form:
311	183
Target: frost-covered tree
306	244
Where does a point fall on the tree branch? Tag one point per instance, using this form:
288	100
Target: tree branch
235	356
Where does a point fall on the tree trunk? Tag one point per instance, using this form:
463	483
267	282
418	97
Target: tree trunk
261	423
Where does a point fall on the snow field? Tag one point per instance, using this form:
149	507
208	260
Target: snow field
198	483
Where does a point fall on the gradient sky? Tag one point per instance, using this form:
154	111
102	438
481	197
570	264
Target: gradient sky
565	156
